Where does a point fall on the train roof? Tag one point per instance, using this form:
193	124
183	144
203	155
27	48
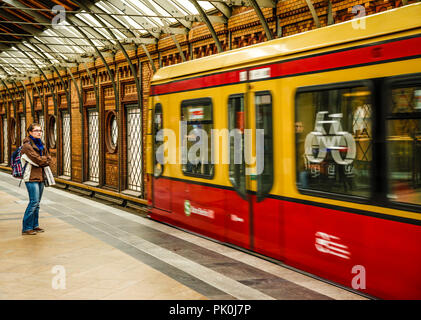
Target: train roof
395	20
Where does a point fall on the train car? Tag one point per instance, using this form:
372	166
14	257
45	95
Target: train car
305	149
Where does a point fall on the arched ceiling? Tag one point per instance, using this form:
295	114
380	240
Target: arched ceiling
46	35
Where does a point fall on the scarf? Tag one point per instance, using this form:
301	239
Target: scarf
38	143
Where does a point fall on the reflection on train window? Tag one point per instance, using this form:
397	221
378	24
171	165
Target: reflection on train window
157	126
237	167
334	140
263	104
404	145
196	122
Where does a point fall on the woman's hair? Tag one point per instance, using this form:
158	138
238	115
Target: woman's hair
32	127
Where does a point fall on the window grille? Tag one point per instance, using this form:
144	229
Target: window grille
13	131
22	128
66	145
5	142
42	124
114	132
93	140
134	149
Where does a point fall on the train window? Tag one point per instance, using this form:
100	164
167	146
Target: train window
404	144
237	167
157	127
263	104
334	140
197	123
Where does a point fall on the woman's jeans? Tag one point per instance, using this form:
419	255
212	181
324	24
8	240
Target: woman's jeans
30	219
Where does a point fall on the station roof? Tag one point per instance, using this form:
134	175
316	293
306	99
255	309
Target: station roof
47	35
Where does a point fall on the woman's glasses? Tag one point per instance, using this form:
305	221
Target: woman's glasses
37	131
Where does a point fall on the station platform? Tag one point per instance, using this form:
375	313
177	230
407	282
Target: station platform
94	250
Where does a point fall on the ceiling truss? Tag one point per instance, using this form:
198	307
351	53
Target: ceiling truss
31	41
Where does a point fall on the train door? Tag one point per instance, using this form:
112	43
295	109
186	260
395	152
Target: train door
253	221
265	211
238	228
161	188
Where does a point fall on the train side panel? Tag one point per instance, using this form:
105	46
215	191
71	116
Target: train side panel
376	256
367	247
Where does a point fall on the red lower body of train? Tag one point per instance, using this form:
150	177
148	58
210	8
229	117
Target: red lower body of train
364	251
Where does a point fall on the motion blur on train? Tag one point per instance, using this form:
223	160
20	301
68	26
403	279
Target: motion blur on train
304	149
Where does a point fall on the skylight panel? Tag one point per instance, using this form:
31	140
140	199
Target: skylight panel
122	20
101	5
61	55
28	44
113	29
180	8
132	23
188	6
143	8
159	12
86	16
49	56
206	5
17	55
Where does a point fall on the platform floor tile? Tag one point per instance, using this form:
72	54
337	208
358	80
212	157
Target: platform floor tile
92	250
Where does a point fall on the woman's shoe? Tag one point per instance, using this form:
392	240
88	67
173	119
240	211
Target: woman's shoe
29	232
38	229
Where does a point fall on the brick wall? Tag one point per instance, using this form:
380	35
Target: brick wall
243	28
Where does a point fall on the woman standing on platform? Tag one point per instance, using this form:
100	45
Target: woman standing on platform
35	156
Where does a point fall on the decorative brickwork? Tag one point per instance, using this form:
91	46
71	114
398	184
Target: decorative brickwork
242	29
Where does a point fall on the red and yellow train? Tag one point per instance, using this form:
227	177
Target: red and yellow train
322	132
